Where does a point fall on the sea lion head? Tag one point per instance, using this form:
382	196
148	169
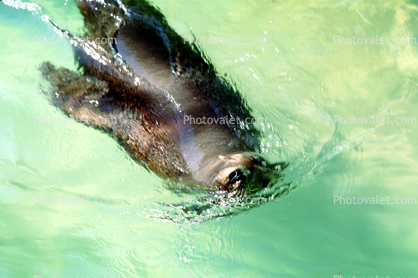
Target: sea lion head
241	171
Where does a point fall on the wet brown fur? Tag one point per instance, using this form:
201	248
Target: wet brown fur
146	123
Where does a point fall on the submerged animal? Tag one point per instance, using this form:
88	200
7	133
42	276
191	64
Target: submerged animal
143	87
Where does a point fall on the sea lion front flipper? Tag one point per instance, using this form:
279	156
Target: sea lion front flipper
80	97
129	120
70	84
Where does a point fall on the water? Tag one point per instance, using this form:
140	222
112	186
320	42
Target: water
303	81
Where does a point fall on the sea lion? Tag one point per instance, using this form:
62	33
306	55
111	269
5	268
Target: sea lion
144	85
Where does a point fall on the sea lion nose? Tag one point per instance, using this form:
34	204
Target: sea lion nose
236	176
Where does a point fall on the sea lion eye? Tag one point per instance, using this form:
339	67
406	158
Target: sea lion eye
236	176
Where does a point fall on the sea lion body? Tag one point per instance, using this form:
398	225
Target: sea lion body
148	100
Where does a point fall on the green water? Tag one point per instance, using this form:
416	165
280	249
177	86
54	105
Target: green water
301	80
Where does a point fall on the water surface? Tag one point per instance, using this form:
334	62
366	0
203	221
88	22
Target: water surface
302	80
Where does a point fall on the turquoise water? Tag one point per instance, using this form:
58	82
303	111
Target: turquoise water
303	81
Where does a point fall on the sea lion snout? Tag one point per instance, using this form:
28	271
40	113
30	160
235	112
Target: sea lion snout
242	171
235	171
